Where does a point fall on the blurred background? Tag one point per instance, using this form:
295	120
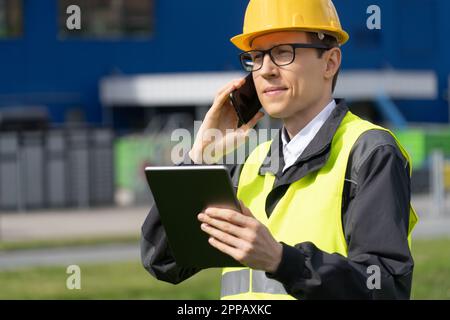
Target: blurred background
83	111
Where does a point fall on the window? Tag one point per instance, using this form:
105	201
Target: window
108	18
11	20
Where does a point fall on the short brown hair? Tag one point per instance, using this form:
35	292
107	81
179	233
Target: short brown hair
330	42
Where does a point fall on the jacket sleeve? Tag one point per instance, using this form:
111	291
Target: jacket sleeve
376	228
156	255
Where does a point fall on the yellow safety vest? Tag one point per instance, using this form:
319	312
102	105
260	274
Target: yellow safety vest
310	210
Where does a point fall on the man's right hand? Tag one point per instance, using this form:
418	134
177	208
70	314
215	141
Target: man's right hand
219	133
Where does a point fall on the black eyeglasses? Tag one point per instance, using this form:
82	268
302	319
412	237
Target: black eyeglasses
281	55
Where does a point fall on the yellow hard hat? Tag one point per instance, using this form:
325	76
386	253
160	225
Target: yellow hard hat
265	16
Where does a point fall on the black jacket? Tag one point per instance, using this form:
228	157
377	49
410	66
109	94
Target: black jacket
375	216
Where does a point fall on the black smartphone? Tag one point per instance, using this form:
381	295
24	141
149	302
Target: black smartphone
245	101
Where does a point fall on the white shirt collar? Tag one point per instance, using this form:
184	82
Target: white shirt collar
294	148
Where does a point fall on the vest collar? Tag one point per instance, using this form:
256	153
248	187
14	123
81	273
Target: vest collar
320	145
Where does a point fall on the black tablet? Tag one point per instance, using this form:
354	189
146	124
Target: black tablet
180	194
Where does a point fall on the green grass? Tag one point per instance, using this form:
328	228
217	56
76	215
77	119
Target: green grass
130	281
106	281
431	279
75	242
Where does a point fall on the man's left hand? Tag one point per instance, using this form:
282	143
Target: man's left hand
243	237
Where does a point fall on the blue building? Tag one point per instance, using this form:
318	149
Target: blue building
43	63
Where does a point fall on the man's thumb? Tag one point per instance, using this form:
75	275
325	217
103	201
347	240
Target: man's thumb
245	211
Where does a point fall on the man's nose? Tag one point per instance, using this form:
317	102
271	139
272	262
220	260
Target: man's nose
269	69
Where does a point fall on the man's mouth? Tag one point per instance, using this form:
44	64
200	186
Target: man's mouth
273	91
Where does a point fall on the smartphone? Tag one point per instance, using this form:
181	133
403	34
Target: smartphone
245	101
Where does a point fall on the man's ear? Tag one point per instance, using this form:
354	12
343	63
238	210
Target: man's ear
333	62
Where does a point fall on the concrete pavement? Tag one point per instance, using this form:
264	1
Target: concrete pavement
78	223
68	256
116	221
127	221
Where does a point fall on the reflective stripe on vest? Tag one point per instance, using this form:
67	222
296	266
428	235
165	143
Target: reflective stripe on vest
237	282
310	210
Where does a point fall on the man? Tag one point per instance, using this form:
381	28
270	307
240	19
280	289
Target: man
337	207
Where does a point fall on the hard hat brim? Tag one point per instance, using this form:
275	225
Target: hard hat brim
243	41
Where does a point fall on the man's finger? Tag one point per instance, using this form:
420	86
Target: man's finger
249	125
223	95
223	226
232	252
227	86
246	211
222	236
232	216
